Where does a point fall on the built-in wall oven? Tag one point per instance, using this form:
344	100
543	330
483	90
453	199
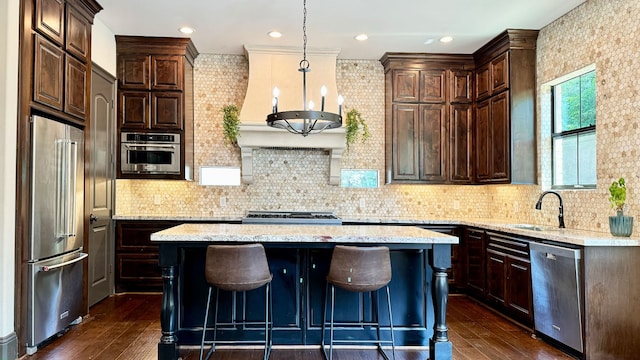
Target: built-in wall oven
150	153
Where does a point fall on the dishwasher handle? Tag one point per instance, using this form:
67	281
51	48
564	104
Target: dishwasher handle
552	252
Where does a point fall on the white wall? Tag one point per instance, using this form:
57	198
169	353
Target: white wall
103	46
9	15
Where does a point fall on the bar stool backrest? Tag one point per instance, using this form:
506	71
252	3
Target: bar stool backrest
237	267
360	269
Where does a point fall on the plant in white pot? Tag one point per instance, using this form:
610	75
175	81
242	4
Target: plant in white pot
619	225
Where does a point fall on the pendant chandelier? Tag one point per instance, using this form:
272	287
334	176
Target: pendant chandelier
306	121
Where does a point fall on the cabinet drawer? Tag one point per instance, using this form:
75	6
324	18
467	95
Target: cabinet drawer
508	245
135	236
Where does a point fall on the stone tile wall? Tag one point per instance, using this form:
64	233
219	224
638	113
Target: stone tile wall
601	32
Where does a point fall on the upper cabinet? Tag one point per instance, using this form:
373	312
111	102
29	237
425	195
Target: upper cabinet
155	77
155	93
505	146
62	56
428	118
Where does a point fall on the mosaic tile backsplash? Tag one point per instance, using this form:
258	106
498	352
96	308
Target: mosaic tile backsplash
601	32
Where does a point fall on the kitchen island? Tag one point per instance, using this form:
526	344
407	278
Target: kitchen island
299	257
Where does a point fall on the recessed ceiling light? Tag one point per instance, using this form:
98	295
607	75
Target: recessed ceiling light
275	34
361	37
446	39
186	30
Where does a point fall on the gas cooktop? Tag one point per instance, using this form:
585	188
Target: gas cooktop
291	217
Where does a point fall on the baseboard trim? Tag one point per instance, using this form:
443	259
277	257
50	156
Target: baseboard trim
9	347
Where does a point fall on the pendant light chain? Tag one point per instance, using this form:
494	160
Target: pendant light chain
304	64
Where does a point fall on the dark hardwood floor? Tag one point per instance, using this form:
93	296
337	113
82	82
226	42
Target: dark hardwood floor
127	326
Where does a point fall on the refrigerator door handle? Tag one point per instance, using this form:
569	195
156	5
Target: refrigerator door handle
57	266
66	188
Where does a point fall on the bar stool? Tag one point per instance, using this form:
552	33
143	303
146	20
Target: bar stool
359	269
237	268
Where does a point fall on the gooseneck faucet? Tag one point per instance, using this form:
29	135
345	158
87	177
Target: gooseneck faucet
560	209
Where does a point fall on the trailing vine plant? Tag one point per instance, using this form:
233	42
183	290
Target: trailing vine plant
231	124
354	122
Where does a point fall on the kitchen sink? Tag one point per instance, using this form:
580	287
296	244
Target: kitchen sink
533	227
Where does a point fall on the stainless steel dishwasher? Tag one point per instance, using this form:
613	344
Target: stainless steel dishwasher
557	293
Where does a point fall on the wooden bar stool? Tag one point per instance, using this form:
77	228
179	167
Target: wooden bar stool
359	269
237	268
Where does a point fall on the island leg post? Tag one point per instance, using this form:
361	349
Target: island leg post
440	348
168	345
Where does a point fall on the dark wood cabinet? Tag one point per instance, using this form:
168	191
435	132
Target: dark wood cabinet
421	144
61	56
474	240
155	93
136	256
153	65
48	73
492	152
505	148
509	276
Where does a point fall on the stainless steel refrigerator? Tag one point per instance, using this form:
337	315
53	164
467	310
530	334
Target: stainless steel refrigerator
56	231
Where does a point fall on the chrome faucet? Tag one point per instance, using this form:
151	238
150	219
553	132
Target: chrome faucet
560	209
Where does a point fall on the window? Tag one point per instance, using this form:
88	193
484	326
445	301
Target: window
574	132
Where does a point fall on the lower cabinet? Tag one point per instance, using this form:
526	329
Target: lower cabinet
474	240
136	257
506	274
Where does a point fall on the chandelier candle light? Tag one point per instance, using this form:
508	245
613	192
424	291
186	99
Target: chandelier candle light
305	121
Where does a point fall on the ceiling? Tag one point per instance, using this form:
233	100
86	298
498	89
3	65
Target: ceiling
224	26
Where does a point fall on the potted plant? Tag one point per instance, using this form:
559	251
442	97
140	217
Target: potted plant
231	124
619	225
353	123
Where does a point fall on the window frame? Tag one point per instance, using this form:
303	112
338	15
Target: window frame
569	133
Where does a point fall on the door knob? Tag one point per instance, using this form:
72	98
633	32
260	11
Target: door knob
92	219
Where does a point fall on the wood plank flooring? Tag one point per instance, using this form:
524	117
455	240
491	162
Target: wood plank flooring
127	326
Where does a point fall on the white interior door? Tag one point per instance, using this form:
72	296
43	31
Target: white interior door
101	179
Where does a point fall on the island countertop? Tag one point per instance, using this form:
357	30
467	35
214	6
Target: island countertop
352	234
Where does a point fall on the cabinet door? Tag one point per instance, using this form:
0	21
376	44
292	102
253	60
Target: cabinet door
48	73
482	82
496	276
433	144
50	19
500	73
166	110
460	143
286	288
75	99
518	291
500	137
166	72
78	33
405	85
460	89
433	86
475	246
483	142
405	149
133	72
134	109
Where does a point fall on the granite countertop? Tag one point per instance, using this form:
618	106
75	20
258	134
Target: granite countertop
195	232
542	232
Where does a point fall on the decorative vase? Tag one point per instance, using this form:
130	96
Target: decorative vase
621	225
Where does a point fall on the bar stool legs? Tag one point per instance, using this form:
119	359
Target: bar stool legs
268	336
362	270
237	269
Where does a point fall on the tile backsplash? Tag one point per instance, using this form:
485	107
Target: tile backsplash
298	179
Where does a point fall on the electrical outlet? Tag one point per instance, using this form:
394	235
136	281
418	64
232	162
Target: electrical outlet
223	201
156	199
456	205
516	206
363	203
